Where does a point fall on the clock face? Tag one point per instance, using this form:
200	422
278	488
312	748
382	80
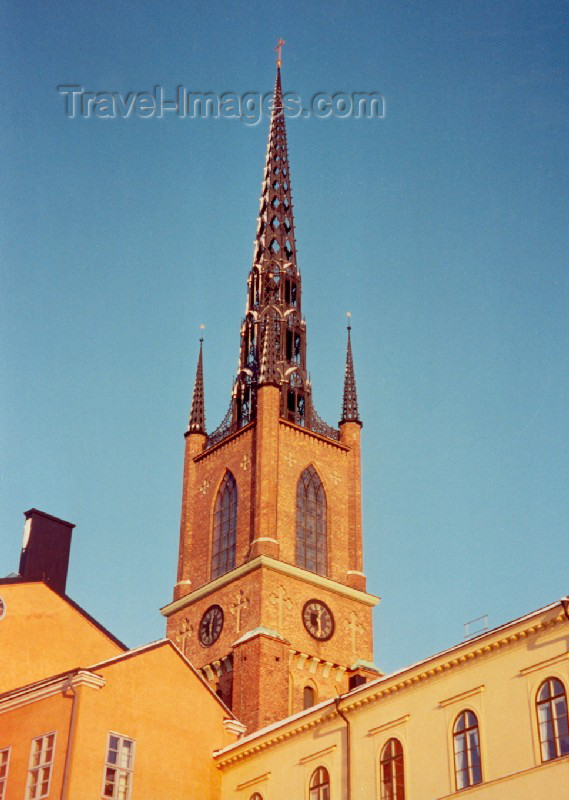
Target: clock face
211	625
318	620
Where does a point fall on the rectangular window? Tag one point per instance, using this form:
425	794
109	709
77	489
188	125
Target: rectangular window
117	778
41	763
4	759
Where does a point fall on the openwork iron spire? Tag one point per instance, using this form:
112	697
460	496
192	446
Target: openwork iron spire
350	400
275	228
274	291
197	414
274	300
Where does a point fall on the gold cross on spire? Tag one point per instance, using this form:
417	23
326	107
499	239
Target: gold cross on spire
279	48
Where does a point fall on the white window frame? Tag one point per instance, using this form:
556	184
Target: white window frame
37	768
120	770
4	778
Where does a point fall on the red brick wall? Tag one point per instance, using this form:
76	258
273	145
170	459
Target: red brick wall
266	459
260	681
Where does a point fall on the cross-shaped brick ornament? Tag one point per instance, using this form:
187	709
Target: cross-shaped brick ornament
184	633
240	604
354	627
282	602
290	459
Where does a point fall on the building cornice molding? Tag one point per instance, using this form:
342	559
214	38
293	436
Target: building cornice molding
291	570
484	649
44	689
276	739
234	726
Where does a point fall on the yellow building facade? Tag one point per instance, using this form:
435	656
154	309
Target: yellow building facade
484	719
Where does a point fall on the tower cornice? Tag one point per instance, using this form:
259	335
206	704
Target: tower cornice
282	567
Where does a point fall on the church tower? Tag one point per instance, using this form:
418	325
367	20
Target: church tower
270	601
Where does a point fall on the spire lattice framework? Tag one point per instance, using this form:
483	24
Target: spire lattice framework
274	300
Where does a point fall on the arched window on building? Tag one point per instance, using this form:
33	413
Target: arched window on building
311	525
467	765
224	527
551	703
392	772
320	784
256	796
309	697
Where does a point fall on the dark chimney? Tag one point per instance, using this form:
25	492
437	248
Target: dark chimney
45	551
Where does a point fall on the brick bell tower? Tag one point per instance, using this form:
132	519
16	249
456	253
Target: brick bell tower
270	601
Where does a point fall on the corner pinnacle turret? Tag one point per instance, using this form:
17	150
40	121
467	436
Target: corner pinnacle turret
197	414
350	398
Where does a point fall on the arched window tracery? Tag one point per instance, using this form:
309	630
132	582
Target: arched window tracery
311	523
224	527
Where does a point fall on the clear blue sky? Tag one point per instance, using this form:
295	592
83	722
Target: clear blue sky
442	228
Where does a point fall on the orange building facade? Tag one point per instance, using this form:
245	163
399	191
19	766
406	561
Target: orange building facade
43	633
135	723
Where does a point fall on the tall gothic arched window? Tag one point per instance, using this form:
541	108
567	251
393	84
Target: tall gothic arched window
311	526
224	527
